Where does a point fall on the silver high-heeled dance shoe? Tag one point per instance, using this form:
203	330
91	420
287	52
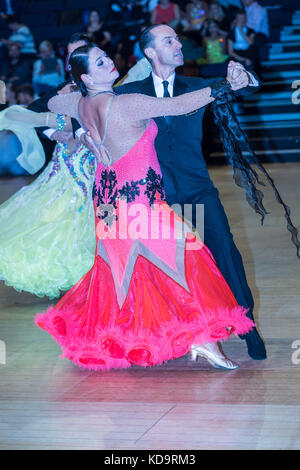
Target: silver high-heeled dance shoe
215	360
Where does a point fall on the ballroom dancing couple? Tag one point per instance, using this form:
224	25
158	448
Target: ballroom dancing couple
145	301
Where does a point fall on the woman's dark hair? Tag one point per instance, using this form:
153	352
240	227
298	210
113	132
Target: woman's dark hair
79	64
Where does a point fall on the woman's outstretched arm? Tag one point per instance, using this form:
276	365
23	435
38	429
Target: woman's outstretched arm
138	107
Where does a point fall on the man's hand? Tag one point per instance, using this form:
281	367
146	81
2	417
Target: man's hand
237	75
63	136
66	89
87	141
66	137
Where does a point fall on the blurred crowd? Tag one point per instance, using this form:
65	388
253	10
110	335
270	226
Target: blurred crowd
211	33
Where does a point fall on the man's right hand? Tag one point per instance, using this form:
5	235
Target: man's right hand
63	136
237	75
66	89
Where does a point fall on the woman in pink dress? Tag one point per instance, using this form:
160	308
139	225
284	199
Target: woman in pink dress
154	292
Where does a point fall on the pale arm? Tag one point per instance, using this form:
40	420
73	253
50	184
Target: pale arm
34	119
249	39
65	103
138	107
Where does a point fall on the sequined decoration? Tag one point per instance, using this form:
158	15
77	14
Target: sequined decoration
55	165
80	164
60	122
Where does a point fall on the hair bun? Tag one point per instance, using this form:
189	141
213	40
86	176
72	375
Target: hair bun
79	64
81	86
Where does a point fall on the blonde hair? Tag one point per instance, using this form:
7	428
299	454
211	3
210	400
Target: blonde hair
45	45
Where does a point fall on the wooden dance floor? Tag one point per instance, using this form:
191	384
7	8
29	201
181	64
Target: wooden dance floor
49	403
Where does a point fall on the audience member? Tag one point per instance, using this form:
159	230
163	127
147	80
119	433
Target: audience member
166	12
217	14
241	40
22	35
16	68
196	14
96	31
25	95
257	19
214	43
48	71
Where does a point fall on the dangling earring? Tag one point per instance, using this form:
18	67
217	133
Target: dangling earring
92	83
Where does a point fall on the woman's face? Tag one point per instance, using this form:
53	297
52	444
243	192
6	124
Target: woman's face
46	52
94	17
241	19
212	28
214	9
102	70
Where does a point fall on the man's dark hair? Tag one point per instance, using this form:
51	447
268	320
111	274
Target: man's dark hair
27	88
76	37
13	19
147	38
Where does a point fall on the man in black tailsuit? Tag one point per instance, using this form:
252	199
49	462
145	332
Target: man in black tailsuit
178	145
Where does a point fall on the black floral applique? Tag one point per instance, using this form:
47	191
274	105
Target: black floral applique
106	196
107	193
130	191
154	184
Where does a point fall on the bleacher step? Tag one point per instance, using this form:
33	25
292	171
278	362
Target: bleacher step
295	116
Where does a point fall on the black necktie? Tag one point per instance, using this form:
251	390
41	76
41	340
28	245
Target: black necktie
166	95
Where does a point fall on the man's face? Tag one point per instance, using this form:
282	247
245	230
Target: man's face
166	48
14	51
75	45
24	98
13	26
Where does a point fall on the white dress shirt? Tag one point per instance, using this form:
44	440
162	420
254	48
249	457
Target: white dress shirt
159	88
158	85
